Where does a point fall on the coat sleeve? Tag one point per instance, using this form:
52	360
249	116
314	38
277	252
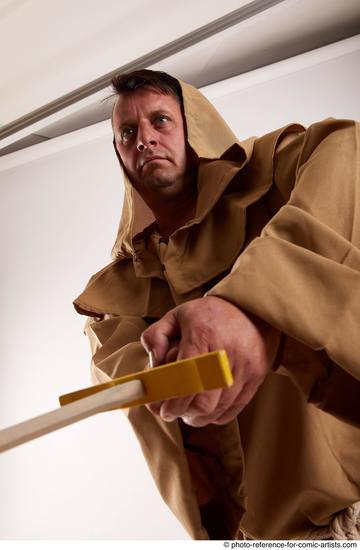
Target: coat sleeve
302	275
115	346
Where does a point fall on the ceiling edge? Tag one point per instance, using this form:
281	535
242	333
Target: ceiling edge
237	16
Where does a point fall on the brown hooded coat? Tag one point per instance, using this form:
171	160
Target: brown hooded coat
277	232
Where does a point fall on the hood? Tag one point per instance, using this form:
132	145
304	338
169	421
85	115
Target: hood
207	134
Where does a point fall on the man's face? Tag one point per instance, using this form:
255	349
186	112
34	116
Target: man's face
150	139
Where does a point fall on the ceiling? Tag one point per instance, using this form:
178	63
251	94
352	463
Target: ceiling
63	52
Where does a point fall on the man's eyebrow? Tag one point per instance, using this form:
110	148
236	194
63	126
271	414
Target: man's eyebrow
132	122
160	112
128	122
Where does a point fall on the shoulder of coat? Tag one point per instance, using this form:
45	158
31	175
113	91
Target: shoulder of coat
110	287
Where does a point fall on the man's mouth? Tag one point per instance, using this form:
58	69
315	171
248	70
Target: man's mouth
151	159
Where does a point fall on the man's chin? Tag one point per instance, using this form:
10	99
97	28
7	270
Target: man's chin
158	179
165	182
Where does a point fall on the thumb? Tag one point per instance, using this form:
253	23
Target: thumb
159	336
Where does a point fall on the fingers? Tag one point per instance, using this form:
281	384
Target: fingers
171	409
227	409
200	409
211	407
174	408
196	405
191	405
173	352
154	407
201	413
237	406
158	337
203	404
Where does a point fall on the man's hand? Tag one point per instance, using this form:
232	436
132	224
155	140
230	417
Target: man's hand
208	324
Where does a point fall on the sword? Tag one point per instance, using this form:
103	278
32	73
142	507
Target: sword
179	378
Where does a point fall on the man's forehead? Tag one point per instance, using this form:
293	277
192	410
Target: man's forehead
150	99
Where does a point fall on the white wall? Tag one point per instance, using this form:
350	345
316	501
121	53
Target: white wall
59	209
305	88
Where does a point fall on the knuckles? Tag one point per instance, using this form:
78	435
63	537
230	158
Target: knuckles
202	405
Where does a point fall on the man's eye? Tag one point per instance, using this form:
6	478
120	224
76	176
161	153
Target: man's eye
161	119
126	133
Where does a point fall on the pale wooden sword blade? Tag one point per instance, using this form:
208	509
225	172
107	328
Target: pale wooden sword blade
107	399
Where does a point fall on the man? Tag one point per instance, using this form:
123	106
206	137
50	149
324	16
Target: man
253	248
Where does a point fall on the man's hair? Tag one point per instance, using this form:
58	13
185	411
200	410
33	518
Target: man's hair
130	82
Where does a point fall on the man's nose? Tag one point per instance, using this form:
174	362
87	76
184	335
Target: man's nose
146	137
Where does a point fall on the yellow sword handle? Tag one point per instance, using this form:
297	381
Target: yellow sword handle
197	374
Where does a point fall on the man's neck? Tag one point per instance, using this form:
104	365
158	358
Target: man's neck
175	213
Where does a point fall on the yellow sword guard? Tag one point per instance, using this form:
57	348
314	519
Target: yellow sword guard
197	374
